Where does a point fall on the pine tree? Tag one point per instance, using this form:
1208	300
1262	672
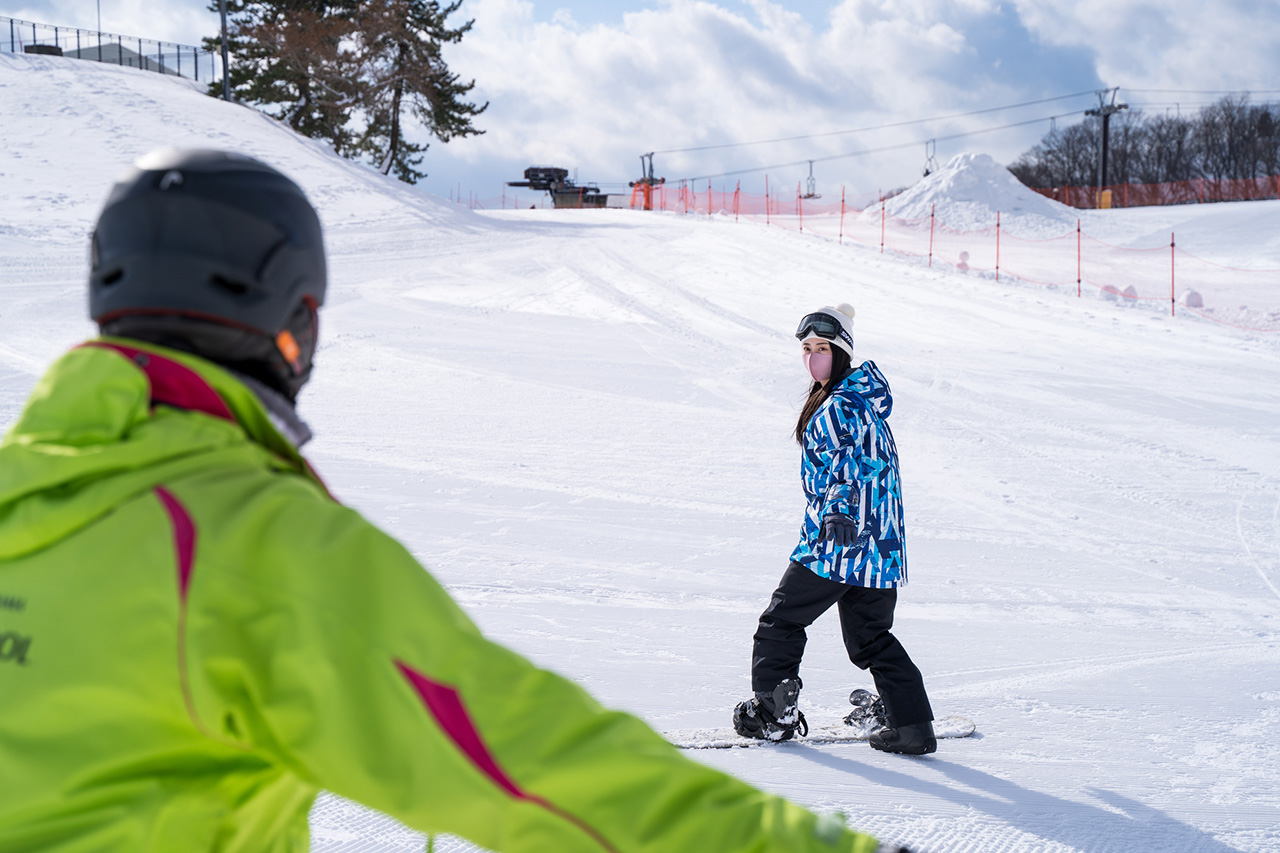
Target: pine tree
300	55
351	73
405	75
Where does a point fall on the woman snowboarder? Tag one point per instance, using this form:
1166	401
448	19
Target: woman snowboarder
851	554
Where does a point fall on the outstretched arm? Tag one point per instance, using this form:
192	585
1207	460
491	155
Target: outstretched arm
335	653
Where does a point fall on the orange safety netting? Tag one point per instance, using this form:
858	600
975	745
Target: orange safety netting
1165	277
1197	191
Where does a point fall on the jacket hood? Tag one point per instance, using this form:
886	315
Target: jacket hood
867	381
114	418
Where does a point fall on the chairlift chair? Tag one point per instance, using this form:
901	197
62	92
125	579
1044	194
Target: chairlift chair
810	186
930	161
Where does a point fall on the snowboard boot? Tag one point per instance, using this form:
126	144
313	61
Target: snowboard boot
868	712
915	739
772	716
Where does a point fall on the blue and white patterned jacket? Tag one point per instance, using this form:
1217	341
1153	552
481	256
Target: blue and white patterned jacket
850	466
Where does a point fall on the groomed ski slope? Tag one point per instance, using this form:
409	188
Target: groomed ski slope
579	421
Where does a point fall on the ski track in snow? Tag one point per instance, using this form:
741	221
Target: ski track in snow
580	420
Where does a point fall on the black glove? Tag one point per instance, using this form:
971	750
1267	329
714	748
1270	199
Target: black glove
841	529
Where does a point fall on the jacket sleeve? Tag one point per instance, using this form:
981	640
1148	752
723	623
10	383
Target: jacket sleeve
843	429
319	641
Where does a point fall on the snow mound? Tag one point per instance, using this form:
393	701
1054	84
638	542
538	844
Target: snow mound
967	193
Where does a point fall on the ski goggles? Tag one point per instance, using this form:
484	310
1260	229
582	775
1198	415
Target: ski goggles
824	326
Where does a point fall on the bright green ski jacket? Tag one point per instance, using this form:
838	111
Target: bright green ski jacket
195	639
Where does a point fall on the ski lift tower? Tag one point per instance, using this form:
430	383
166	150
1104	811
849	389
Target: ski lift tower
1105	111
564	192
646	183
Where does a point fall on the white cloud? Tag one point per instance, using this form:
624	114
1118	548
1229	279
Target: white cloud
684	73
1170	44
696	73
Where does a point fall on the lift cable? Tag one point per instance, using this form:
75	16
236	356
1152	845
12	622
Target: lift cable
875	127
879	150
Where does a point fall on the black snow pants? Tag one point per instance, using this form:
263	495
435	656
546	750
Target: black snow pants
866	615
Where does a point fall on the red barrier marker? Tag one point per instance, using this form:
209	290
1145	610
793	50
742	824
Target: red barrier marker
931	210
842	214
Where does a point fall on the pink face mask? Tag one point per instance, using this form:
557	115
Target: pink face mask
819	365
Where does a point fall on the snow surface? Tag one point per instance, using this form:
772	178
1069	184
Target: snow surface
579	420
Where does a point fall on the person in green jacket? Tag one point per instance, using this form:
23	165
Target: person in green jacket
196	638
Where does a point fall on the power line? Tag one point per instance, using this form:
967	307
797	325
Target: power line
1209	91
875	127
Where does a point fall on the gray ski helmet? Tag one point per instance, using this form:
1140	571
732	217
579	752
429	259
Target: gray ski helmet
210	235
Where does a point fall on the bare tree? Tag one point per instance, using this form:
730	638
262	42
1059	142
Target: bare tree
1228	140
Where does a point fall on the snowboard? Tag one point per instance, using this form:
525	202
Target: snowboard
837	732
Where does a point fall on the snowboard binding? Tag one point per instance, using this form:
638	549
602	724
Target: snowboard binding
773	716
868	712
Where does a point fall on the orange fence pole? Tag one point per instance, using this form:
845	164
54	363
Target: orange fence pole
931	209
882	224
1078	276
842	214
997	245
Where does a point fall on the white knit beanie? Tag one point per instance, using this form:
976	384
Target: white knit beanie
844	313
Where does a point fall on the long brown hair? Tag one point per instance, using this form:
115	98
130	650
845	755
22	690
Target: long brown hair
840	364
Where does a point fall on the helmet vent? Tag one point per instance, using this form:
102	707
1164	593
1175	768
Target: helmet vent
112	277
235	288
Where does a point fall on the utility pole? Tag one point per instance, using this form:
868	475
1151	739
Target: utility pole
226	65
1106	111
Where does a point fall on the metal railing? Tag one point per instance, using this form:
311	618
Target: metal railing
182	60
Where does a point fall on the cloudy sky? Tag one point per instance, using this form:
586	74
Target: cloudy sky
592	84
